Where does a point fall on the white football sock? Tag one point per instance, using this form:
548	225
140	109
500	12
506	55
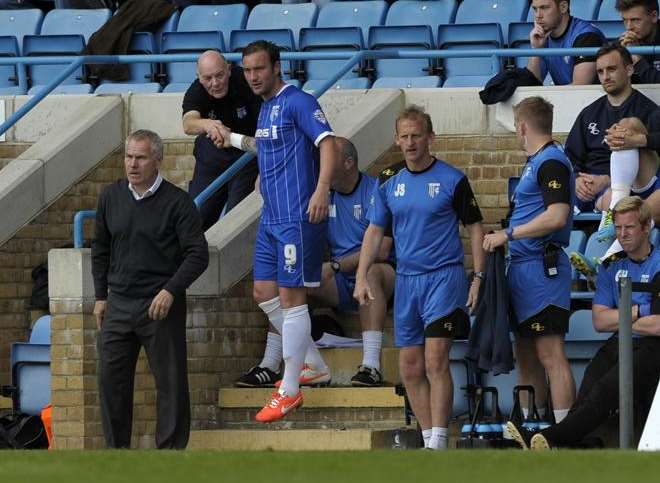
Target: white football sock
372	341
426	435
313	357
560	414
273	353
438	438
624	166
296	335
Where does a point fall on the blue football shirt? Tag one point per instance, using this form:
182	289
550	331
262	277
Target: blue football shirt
290	127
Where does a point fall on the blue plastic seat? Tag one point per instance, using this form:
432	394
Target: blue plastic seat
176	87
313	85
489	11
127	87
462	376
30	370
607	11
293	17
584	9
504	383
283	38
74	21
429	81
9	73
464	72
330	40
294	82
519	39
353	14
46	45
612	29
209	18
577	243
142	43
168	25
40	333
63	89
17	23
582	342
186	43
434	13
404	37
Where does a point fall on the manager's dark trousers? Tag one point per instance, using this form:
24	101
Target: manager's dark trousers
599	392
126	327
211	162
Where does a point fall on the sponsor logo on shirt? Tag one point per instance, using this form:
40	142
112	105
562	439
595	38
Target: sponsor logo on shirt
593	128
537	327
644	278
400	190
357	211
554	184
372	200
620	274
262	133
448	326
241	112
527	172
320	117
274	112
567	59
332	211
434	189
212	115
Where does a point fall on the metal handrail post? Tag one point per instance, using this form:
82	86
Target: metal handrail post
78	221
625	364
36	99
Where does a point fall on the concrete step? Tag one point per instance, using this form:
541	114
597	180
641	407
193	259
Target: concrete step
316	397
302	439
344	363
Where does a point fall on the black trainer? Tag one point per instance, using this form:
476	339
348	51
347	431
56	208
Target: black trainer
367	377
258	377
520	435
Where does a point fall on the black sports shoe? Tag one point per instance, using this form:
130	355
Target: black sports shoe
520	435
367	377
258	377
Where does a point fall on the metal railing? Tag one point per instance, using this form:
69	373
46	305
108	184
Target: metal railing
352	57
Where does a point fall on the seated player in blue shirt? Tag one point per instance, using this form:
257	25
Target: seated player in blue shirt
554	27
539	274
348	218
296	155
423	203
599	393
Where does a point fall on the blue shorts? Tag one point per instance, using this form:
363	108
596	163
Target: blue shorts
290	253
420	300
530	291
650	190
345	283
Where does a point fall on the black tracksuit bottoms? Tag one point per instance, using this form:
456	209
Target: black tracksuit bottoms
127	327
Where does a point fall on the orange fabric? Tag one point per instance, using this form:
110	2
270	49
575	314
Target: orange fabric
47	418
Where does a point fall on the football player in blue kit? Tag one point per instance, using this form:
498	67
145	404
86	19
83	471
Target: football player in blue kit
296	154
539	274
424	202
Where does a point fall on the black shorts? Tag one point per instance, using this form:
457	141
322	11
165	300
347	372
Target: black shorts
453	326
552	320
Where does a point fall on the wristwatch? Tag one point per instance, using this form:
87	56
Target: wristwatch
480	275
336	267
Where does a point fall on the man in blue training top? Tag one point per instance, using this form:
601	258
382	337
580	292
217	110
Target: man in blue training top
599	392
423	203
554	27
296	154
350	206
539	275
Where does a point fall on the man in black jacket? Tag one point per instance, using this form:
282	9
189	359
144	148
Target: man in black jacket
149	248
641	20
219	95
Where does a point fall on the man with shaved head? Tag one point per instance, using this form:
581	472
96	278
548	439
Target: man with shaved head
220	94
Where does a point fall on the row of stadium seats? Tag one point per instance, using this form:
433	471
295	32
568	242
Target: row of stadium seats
419	25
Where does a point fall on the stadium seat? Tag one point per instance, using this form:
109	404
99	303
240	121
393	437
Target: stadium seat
142	43
594	249
186	43
283	38
489	11
17	23
353	14
63	89
312	86
429	81
40	333
126	88
9	73
176	87
74	21
612	29
404	37
329	40
504	383
293	17
582	342
294	82
607	11
584	9
463	72
168	25
587	216
213	18
461	375
577	243
52	45
519	39
405	12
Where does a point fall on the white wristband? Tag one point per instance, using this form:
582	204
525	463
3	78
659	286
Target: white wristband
236	140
